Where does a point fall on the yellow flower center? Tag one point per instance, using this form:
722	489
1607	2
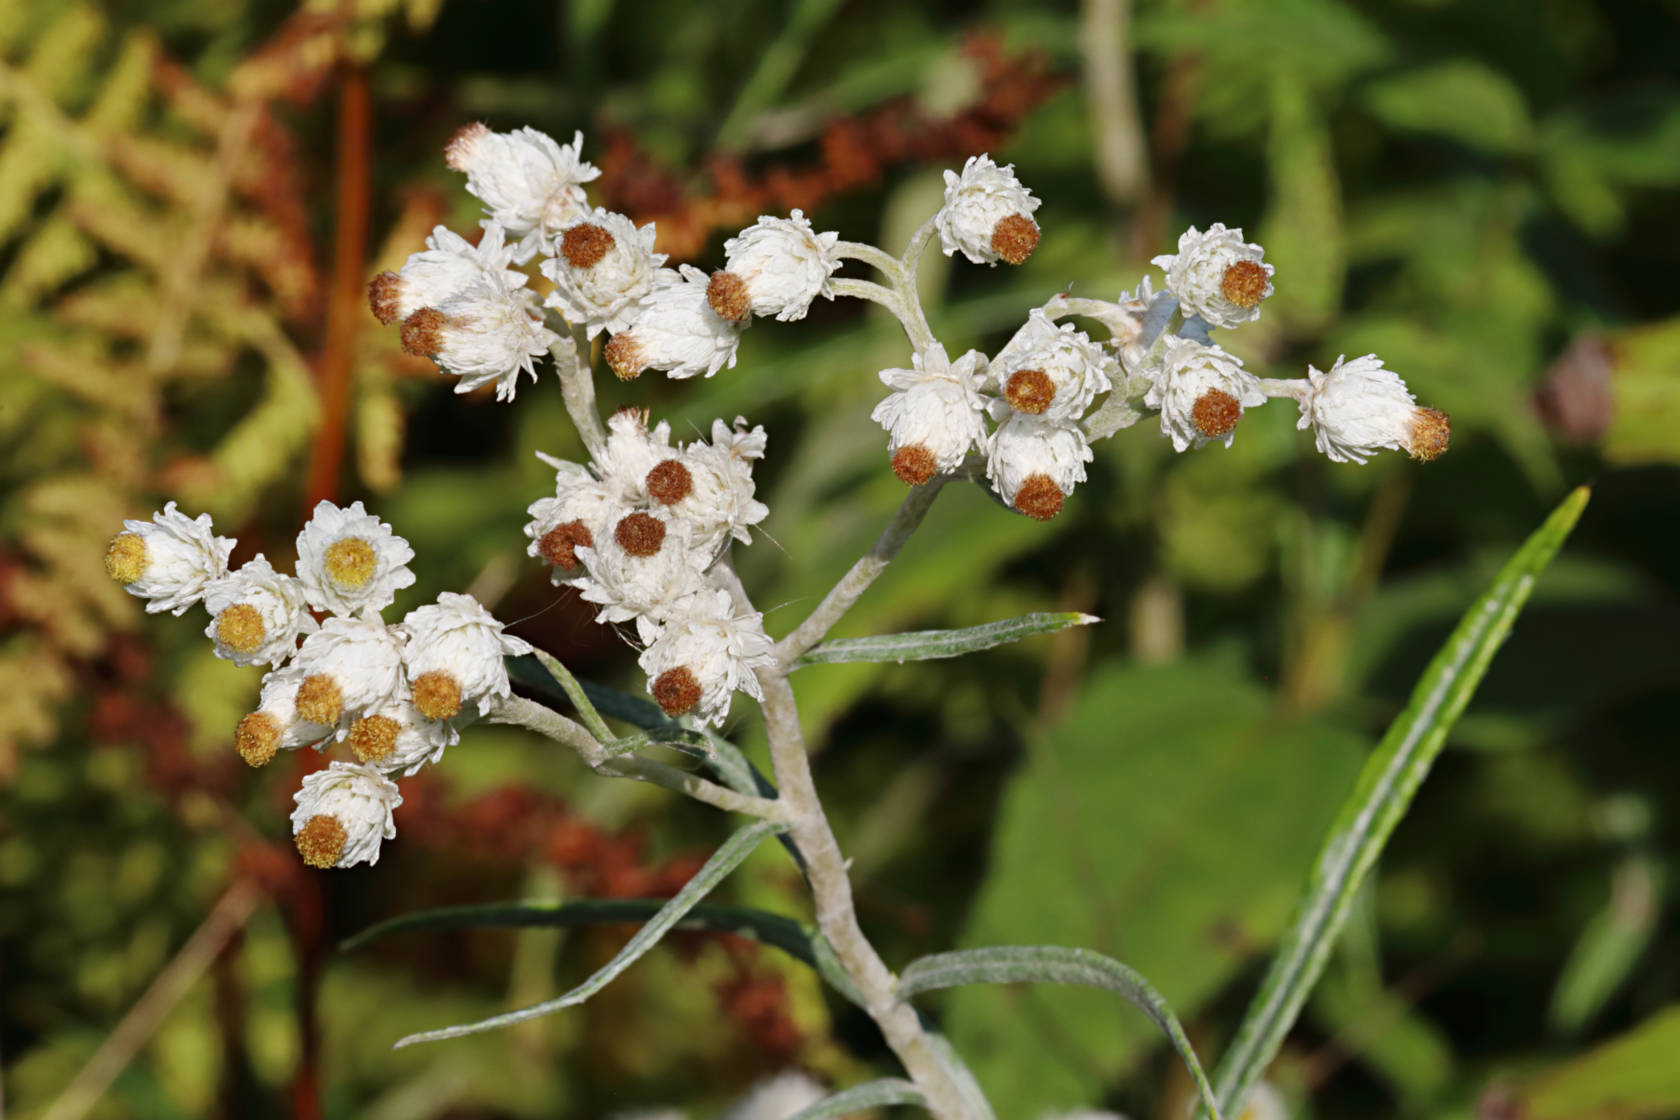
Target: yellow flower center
257	738
373	738
319	700
125	560
240	628
350	562
437	695
321	841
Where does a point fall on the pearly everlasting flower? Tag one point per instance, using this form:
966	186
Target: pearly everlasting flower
349	666
275	725
453	652
527	181
1201	392
1035	463
674	329
1217	276
604	266
776	266
169	561
257	614
633	449
640	571
348	560
342	814
582	510
448	269
490	333
1359	407
397	737
705	653
935	415
709	487
987	214
777	1098
1049	370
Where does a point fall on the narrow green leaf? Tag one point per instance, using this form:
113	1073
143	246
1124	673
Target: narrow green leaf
1632	1077
574	692
1380	798
871	1094
723	861
1054	964
926	645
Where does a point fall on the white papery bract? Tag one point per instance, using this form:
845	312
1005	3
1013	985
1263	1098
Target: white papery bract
720	504
362	658
935	407
489	334
703	654
1358	408
256	614
1049	370
449	268
604	266
976	202
342	815
675	329
168	561
396	738
782	264
643	589
349	561
288	730
1217	275
528	182
631	451
457	638
1201	392
1035	462
777	1098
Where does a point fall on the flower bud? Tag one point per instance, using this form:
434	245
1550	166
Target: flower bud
169	561
1201	392
257	614
342	815
529	183
1217	276
987	214
776	266
1359	407
604	268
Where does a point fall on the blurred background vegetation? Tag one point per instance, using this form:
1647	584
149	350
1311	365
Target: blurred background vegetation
193	194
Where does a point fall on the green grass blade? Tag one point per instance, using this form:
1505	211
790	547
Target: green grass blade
926	645
871	1094
1380	798
1054	964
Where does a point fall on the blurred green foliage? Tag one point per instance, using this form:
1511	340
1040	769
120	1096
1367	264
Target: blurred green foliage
1482	192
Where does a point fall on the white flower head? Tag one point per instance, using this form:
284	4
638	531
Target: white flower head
987	214
350	561
168	561
349	666
450	266
674	329
703	654
1358	408
396	737
935	414
1049	370
489	333
342	814
777	1098
776	266
1201	392
582	509
256	614
604	266
1035	463
1217	275
453	652
527	181
641	571
275	725
632	450
709	488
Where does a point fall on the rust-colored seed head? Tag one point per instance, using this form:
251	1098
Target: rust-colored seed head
1430	434
437	695
677	691
385	296
422	332
125	559
1216	413
670	482
372	738
1014	238
914	464
240	628
1039	497
727	293
321	841
640	534
350	562
560	544
319	700
624	356
458	152
257	738
584	245
1244	283
1030	390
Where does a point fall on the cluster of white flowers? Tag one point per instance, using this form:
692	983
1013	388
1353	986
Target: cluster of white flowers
637	531
395	695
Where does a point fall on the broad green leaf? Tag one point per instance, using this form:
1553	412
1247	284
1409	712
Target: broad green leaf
1460	98
925	645
1380	798
871	1094
1054	964
1645	410
723	861
1634	1077
1611	945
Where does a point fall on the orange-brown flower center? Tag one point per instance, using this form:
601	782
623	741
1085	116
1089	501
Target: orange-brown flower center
1430	434
676	690
1039	497
437	695
1216	413
624	356
321	841
727	293
640	534
1014	238
670	482
1030	390
560	544
914	464
1244	283
385	297
422	332
585	244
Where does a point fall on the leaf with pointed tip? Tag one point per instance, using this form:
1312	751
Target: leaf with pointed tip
871	1094
927	645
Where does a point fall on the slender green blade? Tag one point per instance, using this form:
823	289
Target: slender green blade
1380	798
1054	964
723	861
871	1094
574	692
927	645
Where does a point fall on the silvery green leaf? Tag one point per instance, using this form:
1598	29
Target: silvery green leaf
871	1094
927	645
